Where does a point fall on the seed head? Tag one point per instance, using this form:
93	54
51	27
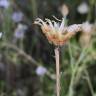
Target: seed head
57	33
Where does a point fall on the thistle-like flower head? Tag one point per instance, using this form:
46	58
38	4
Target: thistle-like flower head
57	33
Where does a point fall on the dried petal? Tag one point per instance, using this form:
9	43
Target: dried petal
74	28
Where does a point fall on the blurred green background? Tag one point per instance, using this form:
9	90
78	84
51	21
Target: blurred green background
27	63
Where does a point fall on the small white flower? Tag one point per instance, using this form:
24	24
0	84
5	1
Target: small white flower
86	27
20	31
17	16
4	3
74	28
41	71
83	8
1	34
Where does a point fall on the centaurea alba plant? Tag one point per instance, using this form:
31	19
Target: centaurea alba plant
57	34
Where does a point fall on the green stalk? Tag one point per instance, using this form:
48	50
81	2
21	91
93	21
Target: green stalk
34	8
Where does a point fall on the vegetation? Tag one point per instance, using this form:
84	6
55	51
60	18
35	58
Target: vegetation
27	58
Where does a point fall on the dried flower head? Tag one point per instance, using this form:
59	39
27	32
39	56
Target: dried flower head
57	33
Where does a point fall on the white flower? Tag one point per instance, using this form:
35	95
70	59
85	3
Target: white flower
86	27
41	71
20	31
1	34
4	3
17	16
74	28
83	8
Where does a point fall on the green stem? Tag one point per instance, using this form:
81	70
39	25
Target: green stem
34	8
89	83
71	91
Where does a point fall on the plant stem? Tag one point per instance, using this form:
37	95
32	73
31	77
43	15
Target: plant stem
74	71
89	82
34	8
57	71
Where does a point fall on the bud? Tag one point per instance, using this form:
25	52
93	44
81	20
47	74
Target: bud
64	10
86	34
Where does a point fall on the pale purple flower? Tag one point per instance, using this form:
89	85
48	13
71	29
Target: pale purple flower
20	31
4	3
41	71
83	8
17	16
